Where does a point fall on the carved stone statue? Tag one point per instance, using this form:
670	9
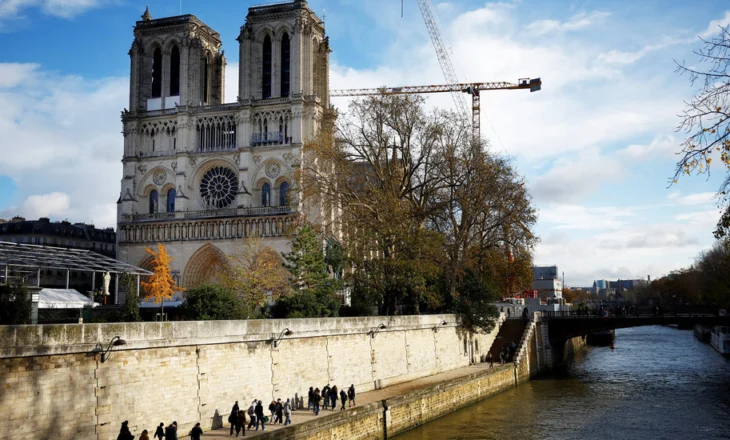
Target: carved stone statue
107	279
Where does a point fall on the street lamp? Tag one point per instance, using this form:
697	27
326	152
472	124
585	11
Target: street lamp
377	329
106	354
441	324
285	332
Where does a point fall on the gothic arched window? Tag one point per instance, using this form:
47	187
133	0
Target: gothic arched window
266	76
171	200
285	62
283	193
175	71
153	201
266	195
157	73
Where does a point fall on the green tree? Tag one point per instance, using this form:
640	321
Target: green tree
15	305
130	308
212	302
313	287
476	303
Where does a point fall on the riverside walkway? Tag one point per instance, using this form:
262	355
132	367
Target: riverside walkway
304	415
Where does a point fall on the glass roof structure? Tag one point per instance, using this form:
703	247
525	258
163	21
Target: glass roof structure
18	256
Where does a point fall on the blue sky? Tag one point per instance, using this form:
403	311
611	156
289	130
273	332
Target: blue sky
596	145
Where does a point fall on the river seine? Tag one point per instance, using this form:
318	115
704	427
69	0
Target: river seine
658	383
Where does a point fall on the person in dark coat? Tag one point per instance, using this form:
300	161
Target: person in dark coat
160	432
233	416
490	360
310	398
241	423
260	416
279	409
316	401
124	432
351	395
197	431
171	431
272	410
333	397
343	398
326	395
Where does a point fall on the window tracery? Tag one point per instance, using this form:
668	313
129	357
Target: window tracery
216	133
281	119
219	187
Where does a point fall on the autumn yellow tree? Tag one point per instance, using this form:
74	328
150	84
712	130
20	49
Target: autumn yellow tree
161	285
254	272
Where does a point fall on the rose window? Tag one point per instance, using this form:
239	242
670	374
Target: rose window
219	187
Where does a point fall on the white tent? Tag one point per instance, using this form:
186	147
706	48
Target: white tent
63	299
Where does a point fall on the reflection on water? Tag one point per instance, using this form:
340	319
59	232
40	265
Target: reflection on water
659	383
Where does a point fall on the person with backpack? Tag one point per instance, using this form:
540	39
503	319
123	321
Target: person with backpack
233	416
287	412
343	398
241	425
252	415
259	411
197	431
351	395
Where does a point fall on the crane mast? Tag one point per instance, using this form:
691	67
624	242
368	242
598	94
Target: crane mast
444	60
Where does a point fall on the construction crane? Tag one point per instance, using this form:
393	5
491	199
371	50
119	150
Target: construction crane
472	89
429	18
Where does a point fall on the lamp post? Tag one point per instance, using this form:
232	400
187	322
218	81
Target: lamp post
106	354
440	324
377	329
285	332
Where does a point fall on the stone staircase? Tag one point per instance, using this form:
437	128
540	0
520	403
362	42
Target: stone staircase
511	330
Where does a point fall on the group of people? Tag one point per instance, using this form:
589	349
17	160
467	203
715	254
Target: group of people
327	398
280	413
168	433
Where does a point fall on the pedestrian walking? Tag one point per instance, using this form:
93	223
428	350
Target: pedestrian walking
160	432
333	397
260	416
232	417
351	396
326	395
310	398
124	432
144	436
197	431
252	415
279	412
171	431
287	412
490	359
241	422
272	410
316	401
343	399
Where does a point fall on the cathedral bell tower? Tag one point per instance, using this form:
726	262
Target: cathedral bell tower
175	61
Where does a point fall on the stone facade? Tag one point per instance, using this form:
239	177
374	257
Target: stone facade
193	371
200	174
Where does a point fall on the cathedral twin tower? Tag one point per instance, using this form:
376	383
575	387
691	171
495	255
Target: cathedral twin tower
200	173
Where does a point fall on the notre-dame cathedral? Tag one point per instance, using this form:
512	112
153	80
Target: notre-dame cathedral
199	173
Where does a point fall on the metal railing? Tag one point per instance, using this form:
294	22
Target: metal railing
210	213
270	138
638	313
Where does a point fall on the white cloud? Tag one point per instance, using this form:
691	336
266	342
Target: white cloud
231	87
577	217
576	22
714	27
573	178
14	9
661	147
702	198
61	138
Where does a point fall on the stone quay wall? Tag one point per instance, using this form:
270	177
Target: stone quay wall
54	384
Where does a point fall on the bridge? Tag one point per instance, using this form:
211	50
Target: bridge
566	325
